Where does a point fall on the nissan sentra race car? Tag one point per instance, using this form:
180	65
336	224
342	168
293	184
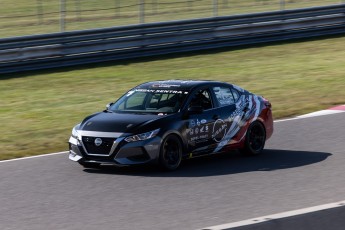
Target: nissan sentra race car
164	122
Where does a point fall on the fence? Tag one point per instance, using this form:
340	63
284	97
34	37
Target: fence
118	43
18	18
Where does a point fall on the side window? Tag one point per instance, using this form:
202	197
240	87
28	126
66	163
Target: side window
225	96
202	98
236	94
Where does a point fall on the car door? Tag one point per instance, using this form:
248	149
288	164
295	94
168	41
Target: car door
200	124
228	125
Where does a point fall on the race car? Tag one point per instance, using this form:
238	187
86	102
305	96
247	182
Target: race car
164	122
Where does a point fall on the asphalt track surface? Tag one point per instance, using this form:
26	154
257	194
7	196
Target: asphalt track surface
303	166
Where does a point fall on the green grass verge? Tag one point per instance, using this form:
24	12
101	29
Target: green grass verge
25	17
39	109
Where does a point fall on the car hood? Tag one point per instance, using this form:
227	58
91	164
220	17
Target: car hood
115	122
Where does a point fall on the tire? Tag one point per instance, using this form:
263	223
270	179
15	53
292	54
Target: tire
255	139
90	165
170	155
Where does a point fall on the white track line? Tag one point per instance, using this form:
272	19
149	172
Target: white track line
339	109
321	113
314	114
25	158
276	216
287	119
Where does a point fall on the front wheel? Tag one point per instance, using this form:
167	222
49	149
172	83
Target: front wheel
170	155
255	139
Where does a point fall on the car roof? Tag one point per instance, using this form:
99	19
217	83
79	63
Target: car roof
185	85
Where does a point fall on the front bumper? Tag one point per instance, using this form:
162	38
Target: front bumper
122	153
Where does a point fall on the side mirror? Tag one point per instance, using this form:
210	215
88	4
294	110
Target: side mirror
195	110
108	105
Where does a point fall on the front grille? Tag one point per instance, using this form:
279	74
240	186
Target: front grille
103	149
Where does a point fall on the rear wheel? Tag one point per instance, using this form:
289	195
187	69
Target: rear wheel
255	139
171	153
90	165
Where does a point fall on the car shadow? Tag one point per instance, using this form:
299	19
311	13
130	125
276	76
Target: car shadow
224	164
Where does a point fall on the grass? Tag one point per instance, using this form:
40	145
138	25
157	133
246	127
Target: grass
39	109
26	17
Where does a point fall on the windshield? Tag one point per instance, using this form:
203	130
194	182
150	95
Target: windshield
158	101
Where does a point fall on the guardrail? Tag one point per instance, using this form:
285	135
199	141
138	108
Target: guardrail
133	41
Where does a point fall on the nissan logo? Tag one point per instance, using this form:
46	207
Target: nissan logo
98	141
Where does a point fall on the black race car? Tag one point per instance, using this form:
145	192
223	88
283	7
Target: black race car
166	121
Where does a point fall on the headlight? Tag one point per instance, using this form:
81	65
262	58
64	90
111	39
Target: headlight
75	133
142	136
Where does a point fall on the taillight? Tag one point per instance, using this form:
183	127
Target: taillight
267	103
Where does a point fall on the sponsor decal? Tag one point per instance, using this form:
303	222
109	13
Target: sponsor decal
199	139
204	129
199	134
192	123
161	91
164	86
175	81
204	136
240	106
198	122
219	130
